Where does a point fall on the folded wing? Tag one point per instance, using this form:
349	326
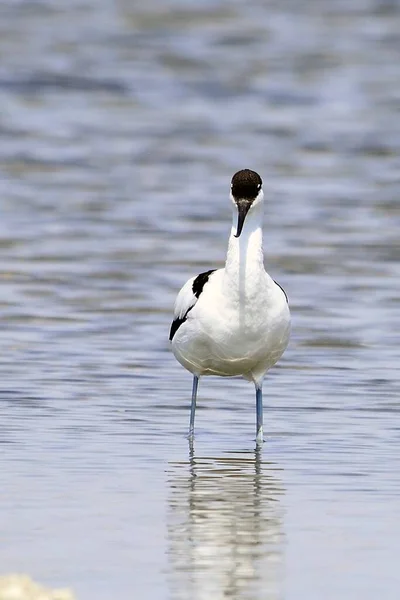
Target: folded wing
187	298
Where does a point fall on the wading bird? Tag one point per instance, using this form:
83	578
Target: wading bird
236	320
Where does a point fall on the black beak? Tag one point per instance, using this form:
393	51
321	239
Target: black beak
243	207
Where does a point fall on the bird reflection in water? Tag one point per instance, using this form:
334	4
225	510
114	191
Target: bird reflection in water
225	533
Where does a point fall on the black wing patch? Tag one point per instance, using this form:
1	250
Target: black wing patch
176	324
197	287
282	290
200	282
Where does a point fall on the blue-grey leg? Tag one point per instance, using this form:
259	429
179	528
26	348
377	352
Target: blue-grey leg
259	411
193	407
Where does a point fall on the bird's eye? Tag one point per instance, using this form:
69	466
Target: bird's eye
258	186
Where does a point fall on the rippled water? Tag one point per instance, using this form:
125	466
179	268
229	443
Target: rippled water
120	128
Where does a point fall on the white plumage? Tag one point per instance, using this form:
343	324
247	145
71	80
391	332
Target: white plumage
235	320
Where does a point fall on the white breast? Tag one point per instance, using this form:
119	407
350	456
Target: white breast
233	331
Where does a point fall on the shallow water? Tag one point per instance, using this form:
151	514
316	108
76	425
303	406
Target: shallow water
120	129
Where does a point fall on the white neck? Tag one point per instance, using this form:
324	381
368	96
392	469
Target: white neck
245	259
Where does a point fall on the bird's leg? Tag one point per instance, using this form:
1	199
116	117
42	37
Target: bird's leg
259	412
193	407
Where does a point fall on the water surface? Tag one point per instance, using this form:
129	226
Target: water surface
120	129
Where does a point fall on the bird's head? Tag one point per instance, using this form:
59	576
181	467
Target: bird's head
246	194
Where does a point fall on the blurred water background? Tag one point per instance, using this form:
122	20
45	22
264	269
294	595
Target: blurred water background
121	124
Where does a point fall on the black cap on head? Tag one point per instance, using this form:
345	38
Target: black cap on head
246	184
